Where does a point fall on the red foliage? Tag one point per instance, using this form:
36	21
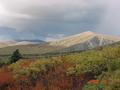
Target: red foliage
93	82
54	79
106	82
23	78
26	63
5	77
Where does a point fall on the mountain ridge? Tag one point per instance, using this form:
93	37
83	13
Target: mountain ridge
79	42
83	37
7	43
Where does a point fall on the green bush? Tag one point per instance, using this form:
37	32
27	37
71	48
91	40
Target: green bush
15	56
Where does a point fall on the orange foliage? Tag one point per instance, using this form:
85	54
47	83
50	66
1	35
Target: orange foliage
106	82
26	63
54	79
5	77
93	82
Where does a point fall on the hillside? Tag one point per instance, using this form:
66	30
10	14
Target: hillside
90	37
28	49
88	70
84	41
7	43
79	42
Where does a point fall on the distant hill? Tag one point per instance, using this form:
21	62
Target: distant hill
6	43
34	40
79	42
28	42
29	49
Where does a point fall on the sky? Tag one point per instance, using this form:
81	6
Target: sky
52	19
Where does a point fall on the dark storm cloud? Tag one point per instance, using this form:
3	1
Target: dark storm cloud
58	24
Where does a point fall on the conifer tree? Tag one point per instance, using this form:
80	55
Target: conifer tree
15	56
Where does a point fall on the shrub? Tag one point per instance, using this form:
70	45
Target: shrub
15	56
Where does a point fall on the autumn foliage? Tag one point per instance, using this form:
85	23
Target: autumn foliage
89	70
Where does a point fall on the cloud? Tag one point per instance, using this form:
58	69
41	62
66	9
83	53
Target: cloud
18	13
111	20
7	17
42	10
40	18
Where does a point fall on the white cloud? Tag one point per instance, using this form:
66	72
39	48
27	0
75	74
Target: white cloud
11	18
111	20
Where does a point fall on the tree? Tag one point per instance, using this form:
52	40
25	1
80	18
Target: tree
15	56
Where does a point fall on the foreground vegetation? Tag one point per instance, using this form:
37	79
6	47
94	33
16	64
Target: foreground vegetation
97	69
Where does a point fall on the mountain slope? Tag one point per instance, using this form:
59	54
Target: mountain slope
7	43
83	37
28	42
35	49
79	42
84	41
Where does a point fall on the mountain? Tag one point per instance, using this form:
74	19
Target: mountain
40	41
84	41
28	42
7	43
79	42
